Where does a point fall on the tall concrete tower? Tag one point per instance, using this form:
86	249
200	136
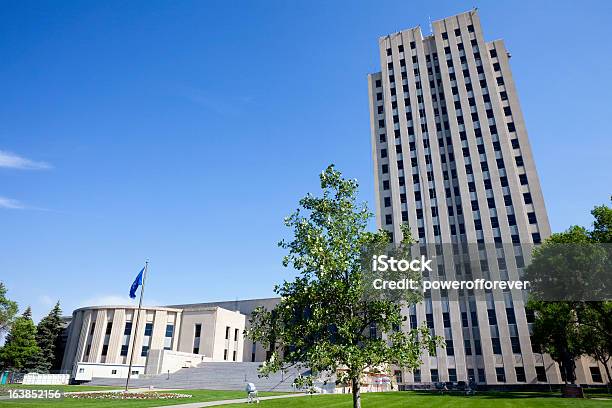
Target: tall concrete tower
452	159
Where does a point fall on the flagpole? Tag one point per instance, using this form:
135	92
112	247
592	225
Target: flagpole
135	332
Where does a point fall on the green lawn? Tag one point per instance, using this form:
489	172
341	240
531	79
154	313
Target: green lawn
428	400
373	400
198	396
66	388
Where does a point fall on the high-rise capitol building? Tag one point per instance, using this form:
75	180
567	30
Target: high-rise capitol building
452	159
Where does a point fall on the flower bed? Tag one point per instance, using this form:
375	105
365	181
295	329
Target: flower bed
127	395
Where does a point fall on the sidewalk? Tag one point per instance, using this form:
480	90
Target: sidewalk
227	402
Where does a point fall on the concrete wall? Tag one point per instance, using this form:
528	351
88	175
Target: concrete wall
169	361
85	371
46	379
250	352
96	335
214	322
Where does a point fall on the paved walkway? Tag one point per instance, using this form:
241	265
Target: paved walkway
227	402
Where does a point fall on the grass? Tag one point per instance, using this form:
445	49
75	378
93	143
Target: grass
197	396
65	388
429	400
372	400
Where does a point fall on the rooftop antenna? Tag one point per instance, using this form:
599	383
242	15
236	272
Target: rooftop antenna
430	26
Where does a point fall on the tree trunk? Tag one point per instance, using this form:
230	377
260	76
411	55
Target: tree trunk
568	365
356	392
608	374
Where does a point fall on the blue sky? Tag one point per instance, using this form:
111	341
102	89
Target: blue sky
183	132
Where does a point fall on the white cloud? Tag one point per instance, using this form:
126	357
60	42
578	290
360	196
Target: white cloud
11	204
13	161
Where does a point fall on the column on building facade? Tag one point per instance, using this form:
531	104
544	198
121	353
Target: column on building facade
97	338
159	329
116	338
72	344
177	331
84	332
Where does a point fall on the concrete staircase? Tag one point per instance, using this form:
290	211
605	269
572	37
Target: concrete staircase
214	376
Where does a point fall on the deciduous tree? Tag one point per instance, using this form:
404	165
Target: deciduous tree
571	274
8	310
323	319
595	342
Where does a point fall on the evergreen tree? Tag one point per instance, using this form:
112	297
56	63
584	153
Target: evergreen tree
47	335
27	313
20	350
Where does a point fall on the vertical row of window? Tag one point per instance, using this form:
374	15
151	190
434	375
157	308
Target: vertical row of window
518	158
146	341
456	223
412	121
535	347
197	334
168	335
125	343
92	329
107	333
227	337
469	319
253	351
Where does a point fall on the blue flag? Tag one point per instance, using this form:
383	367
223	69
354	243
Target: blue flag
136	284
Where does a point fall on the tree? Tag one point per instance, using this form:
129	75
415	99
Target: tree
47	334
571	273
555	328
323	319
20	349
594	341
556	331
597	316
602	226
569	266
8	310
